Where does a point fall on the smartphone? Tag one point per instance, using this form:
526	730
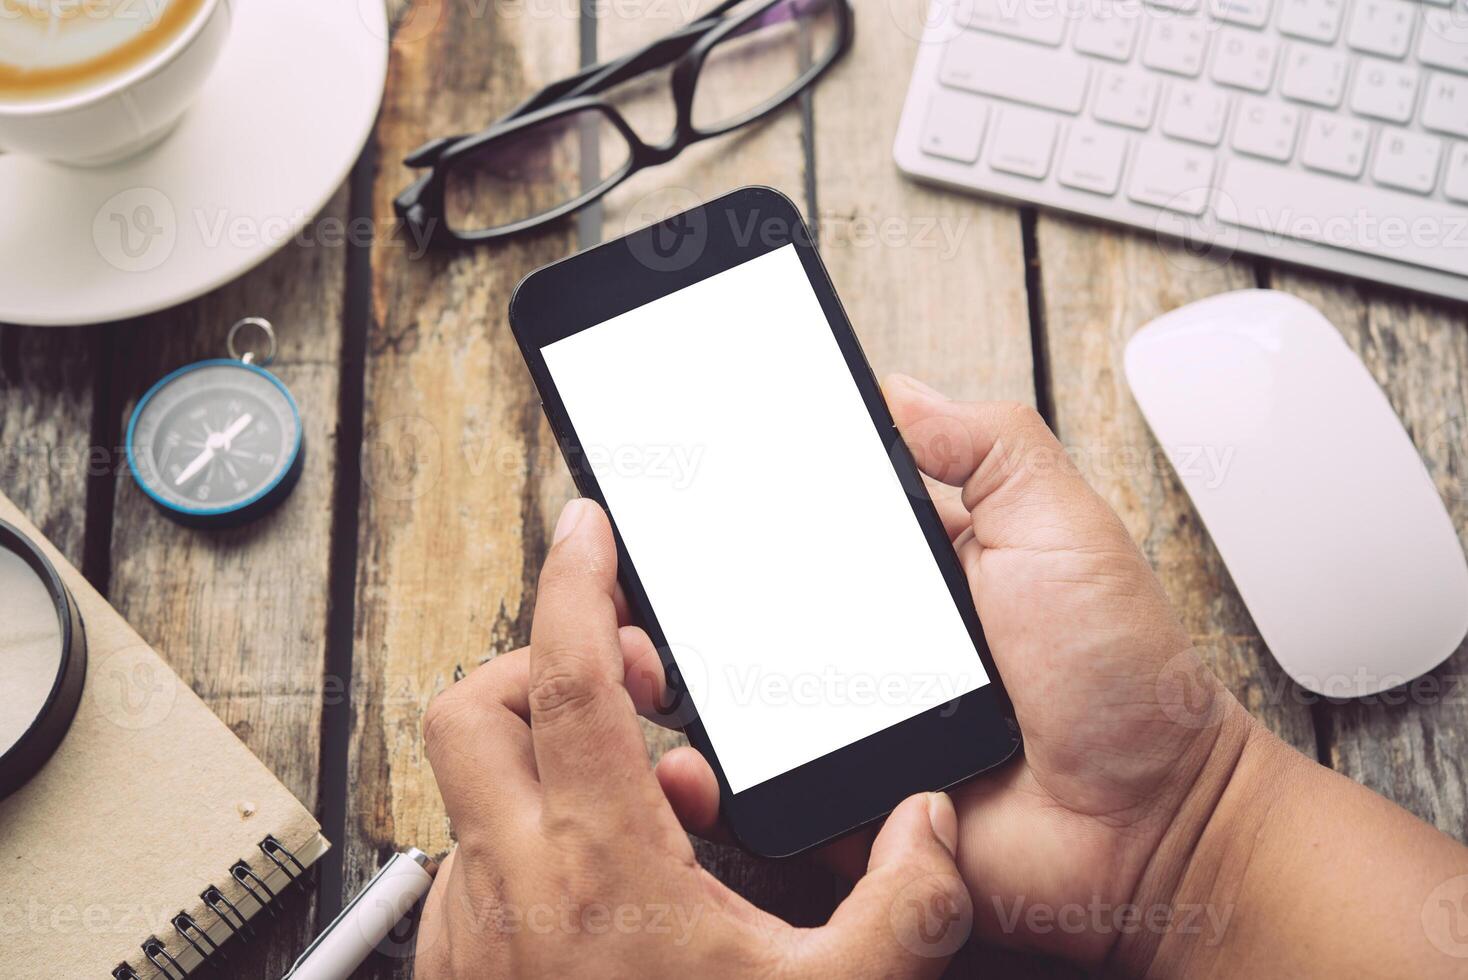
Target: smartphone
773	533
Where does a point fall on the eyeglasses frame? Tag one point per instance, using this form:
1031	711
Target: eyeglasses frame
421	205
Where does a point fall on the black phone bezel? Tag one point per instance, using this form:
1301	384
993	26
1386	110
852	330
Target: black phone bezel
842	791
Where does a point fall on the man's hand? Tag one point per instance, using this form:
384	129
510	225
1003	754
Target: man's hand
570	861
1123	726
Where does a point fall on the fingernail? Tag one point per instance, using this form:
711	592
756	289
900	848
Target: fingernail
570	517
944	819
920	388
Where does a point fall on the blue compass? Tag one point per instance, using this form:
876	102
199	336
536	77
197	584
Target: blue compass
218	443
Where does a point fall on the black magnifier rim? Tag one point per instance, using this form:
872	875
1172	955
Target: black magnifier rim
39	742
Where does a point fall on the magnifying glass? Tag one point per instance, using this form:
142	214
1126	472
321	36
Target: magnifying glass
43	659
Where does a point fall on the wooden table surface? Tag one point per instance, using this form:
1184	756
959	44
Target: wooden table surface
410	549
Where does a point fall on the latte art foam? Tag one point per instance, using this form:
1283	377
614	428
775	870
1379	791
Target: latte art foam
52	48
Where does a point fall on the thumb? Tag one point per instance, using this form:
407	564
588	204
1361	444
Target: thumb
911	912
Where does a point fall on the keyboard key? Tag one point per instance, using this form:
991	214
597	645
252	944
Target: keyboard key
1445	106
954	127
1444	41
1265	128
1407	160
1381	27
1176	44
1126	99
1182	6
1244	59
1042	23
1455	181
1313	74
1195	113
1384	90
1108	33
1171	175
1365	219
1250	13
1015	70
1092	159
1314	20
1335	144
1024	141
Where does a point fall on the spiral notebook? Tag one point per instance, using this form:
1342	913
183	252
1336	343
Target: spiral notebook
152	838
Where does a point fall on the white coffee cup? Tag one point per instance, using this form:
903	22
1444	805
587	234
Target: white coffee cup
121	113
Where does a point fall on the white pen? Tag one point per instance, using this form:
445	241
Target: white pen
366	920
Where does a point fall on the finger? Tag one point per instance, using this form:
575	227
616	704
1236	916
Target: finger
588	745
947	446
479	746
640	664
624	611
693	792
948	501
910	912
848	856
1020	487
643	674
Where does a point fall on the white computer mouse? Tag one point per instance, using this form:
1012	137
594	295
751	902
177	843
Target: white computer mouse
1309	486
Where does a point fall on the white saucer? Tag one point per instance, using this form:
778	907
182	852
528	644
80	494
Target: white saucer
272	136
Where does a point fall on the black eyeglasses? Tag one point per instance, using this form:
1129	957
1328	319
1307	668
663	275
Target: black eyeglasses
565	146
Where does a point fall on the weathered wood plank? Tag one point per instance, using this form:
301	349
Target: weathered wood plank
48	381
241	614
1409	744
934	282
1099	286
459	472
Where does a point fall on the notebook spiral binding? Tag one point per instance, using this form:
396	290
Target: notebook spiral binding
196	937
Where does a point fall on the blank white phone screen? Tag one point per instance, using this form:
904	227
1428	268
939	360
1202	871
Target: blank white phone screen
758	503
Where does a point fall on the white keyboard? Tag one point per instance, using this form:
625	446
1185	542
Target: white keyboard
1332	133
